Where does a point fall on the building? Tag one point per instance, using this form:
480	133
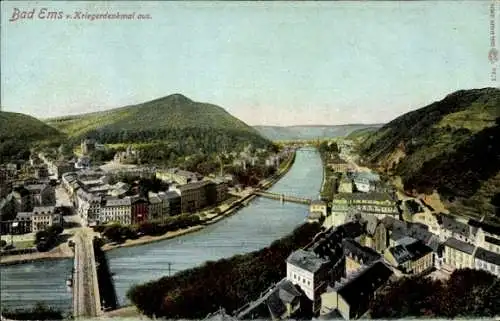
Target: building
129	156
339	165
376	234
116	210
365	182
345	185
410	256
155	206
83	162
318	206
140	210
221	186
178	175
399	230
429	219
284	300
88	146
42	194
308	271
43	217
88	206
452	228
273	161
487	261
351	297
458	255
193	196
485	235
374	203
362	185
59	168
357	255
171	203
41	172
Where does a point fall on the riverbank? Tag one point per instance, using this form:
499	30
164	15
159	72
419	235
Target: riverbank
209	218
62	251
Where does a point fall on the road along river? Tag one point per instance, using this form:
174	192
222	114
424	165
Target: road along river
252	228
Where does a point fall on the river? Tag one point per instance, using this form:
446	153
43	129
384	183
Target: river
252	228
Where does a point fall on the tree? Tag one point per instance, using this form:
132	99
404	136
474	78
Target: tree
55	230
41	235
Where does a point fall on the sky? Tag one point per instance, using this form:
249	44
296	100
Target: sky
267	63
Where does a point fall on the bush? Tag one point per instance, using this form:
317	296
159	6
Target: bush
39	312
468	293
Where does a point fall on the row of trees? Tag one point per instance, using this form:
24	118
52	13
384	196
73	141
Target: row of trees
228	283
184	141
468	293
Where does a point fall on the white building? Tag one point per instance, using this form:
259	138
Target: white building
487	261
43	217
318	206
116	210
306	270
88	206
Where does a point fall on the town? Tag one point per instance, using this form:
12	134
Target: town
256	161
371	236
371	233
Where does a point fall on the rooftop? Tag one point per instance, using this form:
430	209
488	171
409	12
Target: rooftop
459	245
362	253
118	201
368	280
418	249
43	209
306	260
449	223
371	196
487	256
35	187
193	185
489	228
400	254
492	240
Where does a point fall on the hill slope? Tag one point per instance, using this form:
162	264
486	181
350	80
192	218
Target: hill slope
18	132
450	145
175	119
310	132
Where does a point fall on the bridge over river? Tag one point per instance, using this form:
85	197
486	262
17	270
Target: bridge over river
252	228
282	197
86	298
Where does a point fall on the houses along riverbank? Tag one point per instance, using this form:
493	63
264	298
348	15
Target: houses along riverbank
255	226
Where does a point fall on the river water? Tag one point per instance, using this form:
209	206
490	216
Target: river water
252	228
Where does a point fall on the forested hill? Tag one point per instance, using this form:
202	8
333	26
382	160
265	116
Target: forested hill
18	132
308	132
173	118
450	145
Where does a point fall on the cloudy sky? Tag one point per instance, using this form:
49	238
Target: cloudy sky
280	63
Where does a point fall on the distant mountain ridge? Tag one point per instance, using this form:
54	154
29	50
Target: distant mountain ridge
450	145
175	121
305	132
174	111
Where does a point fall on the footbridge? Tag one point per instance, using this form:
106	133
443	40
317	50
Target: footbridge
282	197
86	298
